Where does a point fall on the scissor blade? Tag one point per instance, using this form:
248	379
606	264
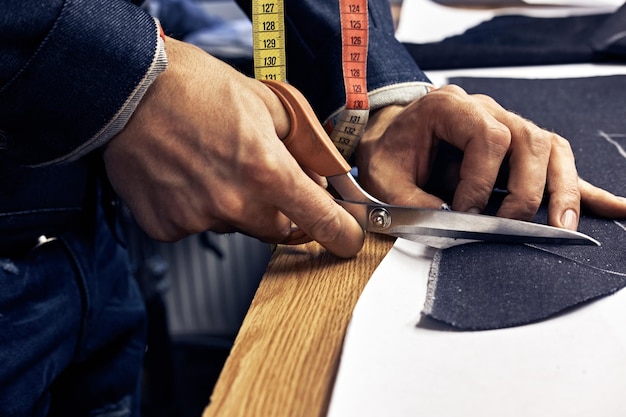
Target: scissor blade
442	229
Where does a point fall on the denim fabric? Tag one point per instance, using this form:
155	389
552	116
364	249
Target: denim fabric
36	201
72	67
609	40
513	40
72	328
313	39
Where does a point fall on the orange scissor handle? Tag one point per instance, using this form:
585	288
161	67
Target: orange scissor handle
307	140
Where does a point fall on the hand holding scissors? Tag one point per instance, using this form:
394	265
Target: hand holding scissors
313	149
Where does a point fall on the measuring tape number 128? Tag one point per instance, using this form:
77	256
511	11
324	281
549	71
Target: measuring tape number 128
268	38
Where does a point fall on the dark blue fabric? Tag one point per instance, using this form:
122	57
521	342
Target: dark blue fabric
36	201
485	286
71	327
66	70
513	40
609	40
72	66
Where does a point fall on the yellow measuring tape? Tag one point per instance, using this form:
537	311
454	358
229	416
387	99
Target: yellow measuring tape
268	38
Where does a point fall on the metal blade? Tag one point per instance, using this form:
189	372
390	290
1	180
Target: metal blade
443	229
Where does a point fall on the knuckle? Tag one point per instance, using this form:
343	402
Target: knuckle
452	89
539	141
262	171
568	195
327	229
482	187
521	207
486	100
528	207
560	143
472	193
497	138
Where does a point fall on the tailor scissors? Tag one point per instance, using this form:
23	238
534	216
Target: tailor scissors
308	142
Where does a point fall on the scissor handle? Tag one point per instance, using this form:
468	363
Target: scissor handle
307	140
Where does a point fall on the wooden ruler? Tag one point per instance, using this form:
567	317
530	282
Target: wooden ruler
268	37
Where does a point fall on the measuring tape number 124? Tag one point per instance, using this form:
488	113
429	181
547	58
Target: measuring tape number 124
268	39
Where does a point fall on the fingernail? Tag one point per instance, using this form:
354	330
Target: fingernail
473	210
569	219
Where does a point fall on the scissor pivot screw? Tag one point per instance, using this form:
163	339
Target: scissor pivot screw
380	218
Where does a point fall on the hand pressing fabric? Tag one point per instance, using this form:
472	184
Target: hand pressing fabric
401	143
487	286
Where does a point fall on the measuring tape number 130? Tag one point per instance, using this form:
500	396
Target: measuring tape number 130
268	38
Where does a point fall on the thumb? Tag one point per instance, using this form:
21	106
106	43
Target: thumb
324	221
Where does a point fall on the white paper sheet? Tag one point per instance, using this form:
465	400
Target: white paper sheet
570	365
393	365
439	78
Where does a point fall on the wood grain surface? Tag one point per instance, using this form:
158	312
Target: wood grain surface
285	357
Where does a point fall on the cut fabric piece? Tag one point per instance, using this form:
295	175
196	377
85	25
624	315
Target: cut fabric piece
515	40
487	286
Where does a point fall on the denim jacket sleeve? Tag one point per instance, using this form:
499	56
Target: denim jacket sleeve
71	73
313	39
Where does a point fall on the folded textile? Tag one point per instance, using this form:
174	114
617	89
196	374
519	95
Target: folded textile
515	40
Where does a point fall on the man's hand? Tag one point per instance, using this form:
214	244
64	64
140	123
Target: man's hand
203	152
399	147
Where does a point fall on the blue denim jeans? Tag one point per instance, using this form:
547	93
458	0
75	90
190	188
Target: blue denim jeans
72	327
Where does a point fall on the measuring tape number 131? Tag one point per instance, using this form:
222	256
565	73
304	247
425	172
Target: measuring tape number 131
268	38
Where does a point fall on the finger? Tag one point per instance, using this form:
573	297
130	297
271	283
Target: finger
464	122
319	179
296	237
600	202
530	156
317	214
314	211
563	186
265	223
410	196
393	180
485	146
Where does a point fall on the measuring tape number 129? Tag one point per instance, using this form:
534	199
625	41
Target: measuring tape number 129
268	39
